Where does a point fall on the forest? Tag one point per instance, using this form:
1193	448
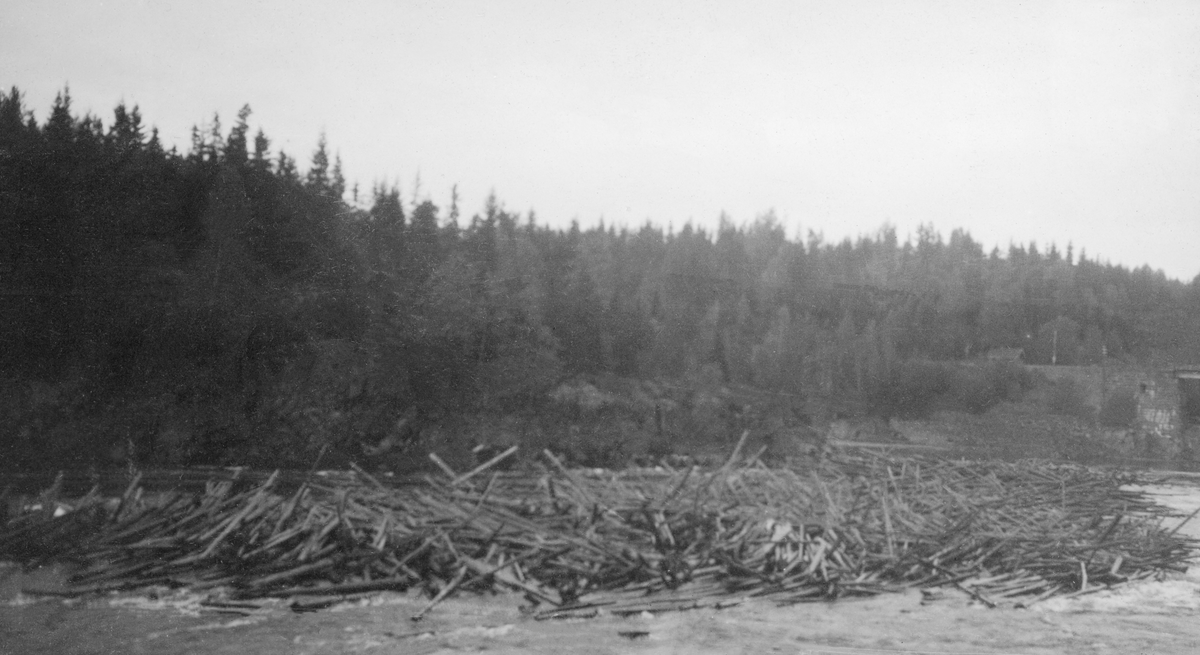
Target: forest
222	306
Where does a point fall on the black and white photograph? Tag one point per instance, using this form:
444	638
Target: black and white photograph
819	327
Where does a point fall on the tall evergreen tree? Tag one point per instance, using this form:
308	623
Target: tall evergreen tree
125	135
422	245
60	127
262	151
337	181
285	168
317	180
236	152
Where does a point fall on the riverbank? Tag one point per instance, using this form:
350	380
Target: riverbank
1148	616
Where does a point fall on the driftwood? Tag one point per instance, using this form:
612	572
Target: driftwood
575	542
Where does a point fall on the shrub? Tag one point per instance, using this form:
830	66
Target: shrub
979	389
913	389
1067	398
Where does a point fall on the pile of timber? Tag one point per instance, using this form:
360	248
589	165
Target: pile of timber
575	542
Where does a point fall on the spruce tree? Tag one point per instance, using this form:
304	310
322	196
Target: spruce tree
285	168
262	154
422	245
12	119
125	135
213	147
154	144
60	127
236	146
337	181
317	180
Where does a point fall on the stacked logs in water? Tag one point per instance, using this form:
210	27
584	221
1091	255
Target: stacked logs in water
576	542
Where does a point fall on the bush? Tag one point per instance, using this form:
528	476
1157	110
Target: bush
979	389
914	388
1067	398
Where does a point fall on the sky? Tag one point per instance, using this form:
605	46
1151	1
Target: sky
1049	121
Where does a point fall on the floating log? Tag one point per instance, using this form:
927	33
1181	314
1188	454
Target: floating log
577	541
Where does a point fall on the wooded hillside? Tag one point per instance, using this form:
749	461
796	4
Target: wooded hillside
225	306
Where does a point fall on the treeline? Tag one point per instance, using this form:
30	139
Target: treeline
221	305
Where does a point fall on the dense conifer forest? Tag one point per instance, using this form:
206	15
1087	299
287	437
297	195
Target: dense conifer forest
222	305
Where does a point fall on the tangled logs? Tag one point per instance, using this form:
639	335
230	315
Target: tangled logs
574	542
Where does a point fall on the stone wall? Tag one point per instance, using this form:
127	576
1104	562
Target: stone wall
1155	388
1157	393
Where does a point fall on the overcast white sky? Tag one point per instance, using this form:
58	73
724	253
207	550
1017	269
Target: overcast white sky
1046	121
